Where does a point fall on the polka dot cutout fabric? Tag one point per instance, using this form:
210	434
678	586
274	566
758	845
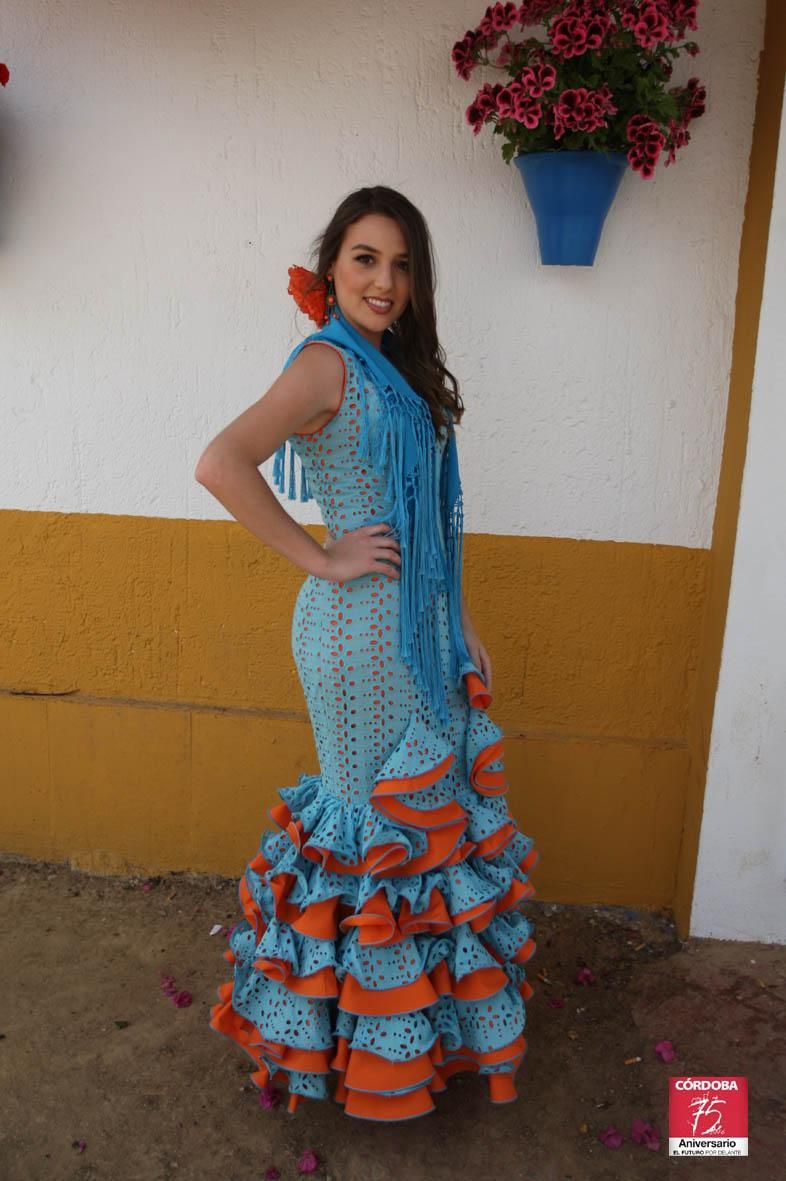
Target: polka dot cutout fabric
382	945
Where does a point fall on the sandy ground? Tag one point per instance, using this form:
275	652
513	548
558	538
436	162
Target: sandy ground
92	1051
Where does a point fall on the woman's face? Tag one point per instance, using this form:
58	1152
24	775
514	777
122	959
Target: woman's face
371	275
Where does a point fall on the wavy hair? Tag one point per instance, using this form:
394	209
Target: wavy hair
416	351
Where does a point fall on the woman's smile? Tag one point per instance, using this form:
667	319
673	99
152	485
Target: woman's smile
380	306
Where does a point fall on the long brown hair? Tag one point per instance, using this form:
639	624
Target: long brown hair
417	352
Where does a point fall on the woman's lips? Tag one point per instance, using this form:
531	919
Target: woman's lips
380	311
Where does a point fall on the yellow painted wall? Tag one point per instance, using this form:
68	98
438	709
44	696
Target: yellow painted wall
750	284
150	708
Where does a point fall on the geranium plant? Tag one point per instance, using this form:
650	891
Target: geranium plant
598	81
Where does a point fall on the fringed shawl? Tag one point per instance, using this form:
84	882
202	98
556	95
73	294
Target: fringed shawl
405	451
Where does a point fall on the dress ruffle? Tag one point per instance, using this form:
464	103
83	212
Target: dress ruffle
382	941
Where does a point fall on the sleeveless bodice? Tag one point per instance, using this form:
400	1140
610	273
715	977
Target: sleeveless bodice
346	490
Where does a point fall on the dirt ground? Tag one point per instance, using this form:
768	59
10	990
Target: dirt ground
103	1077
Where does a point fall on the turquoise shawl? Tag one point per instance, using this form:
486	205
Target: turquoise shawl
406	449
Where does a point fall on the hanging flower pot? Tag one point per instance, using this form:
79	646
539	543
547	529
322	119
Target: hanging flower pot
570	194
582	103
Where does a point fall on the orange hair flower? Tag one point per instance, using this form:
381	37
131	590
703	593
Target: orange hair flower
310	294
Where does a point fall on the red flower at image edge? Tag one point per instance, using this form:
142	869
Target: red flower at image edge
5	74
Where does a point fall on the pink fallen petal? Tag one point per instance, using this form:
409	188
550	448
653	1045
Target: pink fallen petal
272	1174
585	976
79	1145
182	999
611	1137
269	1096
146	887
644	1133
666	1051
308	1162
556	1002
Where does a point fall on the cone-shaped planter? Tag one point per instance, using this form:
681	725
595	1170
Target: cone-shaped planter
570	194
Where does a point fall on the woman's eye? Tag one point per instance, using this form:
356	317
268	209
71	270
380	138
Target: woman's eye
370	258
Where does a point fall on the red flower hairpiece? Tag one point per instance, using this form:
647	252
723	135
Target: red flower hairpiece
309	293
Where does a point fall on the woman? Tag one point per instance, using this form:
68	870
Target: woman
381	944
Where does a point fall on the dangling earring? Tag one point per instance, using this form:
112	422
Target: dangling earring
331	296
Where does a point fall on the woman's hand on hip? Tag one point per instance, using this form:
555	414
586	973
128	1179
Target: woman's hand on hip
371	549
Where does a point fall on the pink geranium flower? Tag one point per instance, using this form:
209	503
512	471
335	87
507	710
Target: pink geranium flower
644	1133
463	53
532	12
685	13
648	142
611	1137
538	79
666	1051
528	111
308	1162
651	25
569	36
499	18
269	1096
507	99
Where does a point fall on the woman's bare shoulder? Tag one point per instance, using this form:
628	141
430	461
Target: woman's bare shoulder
322	367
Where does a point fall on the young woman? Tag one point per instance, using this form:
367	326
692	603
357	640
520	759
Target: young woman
381	947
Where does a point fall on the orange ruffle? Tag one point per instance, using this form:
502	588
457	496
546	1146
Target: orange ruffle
387	787
364	1075
378	925
390	860
477	693
488	783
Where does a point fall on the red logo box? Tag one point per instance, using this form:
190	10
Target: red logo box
708	1115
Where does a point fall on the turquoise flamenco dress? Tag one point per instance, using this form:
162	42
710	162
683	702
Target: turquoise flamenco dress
382	946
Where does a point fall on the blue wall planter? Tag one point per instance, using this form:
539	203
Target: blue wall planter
570	194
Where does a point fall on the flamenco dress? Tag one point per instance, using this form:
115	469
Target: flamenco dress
382	945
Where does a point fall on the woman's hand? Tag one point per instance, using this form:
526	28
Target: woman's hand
371	549
477	651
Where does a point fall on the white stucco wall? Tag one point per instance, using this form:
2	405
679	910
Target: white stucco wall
161	165
740	890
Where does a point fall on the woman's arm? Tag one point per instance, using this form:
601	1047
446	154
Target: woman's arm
302	399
